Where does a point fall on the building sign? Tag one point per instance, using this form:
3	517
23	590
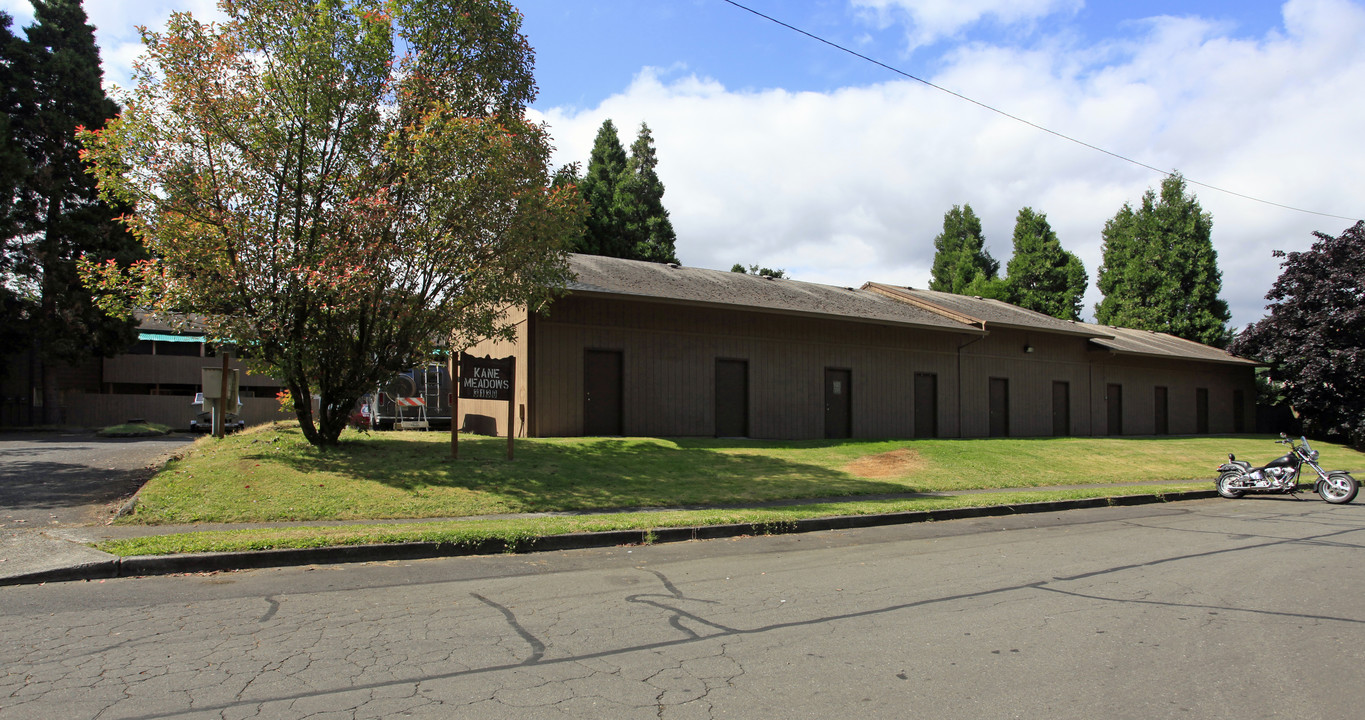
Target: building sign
486	378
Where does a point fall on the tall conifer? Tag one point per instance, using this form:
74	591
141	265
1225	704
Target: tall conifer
55	214
1160	271
606	165
645	226
961	261
1041	275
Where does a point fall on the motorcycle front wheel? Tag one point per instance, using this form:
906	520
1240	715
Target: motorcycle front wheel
1227	487
1339	488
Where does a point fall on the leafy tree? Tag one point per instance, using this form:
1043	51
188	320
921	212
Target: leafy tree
639	203
961	261
603	235
1314	336
53	215
338	208
1042	276
1160	271
760	271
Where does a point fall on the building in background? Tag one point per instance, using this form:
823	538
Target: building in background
154	380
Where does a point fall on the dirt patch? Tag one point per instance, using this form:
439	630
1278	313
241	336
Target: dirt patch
888	464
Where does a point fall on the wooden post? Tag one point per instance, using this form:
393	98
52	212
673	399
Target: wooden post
454	408
511	406
220	419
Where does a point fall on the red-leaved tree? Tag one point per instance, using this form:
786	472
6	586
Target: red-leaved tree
1314	337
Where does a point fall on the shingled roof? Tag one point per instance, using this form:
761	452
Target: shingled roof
718	288
873	302
1126	341
984	312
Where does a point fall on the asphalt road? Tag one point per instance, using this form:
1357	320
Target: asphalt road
1209	609
63	479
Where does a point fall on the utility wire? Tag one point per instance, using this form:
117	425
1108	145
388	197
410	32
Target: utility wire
1016	118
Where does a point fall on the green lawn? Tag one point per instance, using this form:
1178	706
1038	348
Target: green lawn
270	473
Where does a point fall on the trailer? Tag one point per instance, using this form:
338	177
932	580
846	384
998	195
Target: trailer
416	399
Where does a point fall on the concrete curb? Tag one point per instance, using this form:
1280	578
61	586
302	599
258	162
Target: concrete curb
143	565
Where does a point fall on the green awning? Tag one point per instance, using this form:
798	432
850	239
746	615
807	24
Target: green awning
160	337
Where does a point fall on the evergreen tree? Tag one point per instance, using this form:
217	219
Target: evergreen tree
606	165
1160	271
1041	276
961	261
645	226
624	196
15	90
54	213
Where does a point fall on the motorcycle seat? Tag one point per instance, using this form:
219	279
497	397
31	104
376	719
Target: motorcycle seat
1246	466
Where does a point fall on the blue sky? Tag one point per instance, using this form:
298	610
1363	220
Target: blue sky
778	150
588	50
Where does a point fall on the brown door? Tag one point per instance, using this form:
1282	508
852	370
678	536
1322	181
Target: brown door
1114	401
926	405
1239	411
1201	410
1061	409
602	392
838	403
1163	415
1000	407
732	398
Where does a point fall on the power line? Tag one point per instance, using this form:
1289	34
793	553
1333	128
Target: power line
1016	118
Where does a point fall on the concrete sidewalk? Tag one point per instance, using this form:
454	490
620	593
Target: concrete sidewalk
29	556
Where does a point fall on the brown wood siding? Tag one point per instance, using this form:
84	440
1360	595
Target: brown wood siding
669	353
173	370
92	410
1030	376
1141	376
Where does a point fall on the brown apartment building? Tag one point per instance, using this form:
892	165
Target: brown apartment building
155	380
640	348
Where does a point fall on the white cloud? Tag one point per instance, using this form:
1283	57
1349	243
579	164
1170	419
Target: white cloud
930	20
851	185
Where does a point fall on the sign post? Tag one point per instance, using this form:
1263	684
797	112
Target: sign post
486	378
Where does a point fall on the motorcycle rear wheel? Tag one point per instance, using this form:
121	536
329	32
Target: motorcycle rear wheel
1339	488
1225	486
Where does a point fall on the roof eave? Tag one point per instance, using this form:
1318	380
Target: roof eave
776	311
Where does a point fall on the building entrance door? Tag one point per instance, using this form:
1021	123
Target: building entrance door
732	398
1113	398
838	403
1061	408
926	405
602	392
1000	407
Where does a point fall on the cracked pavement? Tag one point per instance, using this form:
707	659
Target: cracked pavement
1200	610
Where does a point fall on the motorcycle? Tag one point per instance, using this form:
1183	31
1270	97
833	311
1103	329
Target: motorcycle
1281	475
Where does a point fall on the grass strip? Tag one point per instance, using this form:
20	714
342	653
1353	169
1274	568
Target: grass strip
131	430
515	532
270	474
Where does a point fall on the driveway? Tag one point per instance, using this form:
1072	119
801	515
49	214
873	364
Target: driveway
74	478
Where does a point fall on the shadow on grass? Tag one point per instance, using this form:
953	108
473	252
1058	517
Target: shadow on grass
585	473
